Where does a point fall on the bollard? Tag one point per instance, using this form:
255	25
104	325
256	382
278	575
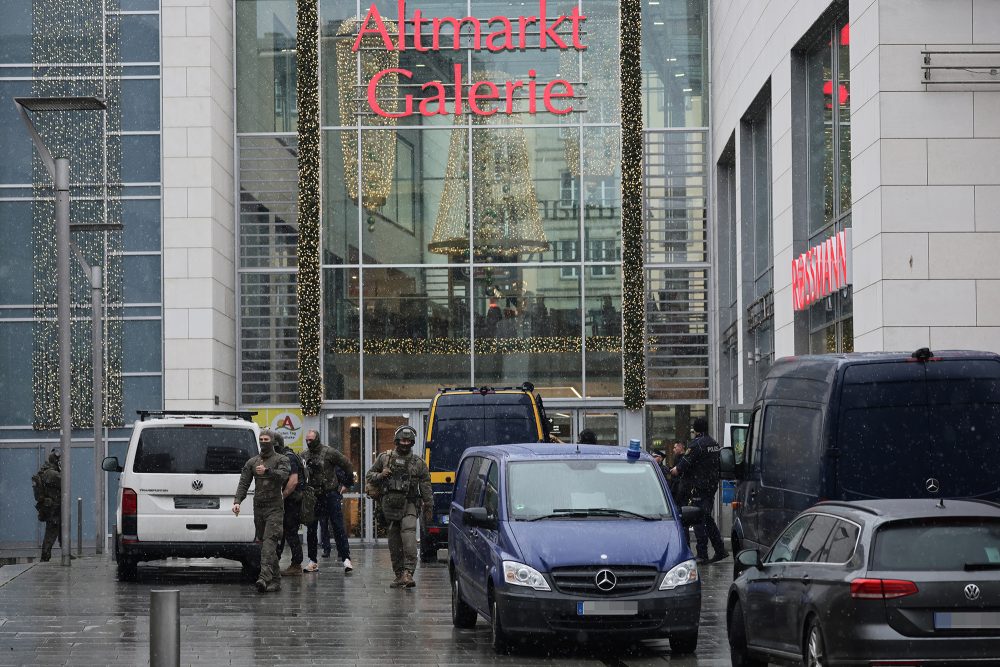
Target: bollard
165	628
79	526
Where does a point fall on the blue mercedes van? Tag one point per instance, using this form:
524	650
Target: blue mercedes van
582	541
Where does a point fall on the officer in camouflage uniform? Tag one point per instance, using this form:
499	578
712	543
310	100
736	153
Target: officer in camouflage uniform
269	472
49	502
404	483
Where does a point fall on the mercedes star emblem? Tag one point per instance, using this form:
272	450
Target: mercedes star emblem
605	580
933	486
197	484
972	592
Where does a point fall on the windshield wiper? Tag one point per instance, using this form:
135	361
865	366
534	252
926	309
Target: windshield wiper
971	567
616	512
562	514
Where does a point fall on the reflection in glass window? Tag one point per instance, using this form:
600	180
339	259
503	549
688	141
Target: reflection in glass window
265	66
828	130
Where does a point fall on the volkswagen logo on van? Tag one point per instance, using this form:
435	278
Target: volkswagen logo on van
605	580
197	485
932	485
972	592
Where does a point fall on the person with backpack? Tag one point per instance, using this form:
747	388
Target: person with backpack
699	468
402	483
47	487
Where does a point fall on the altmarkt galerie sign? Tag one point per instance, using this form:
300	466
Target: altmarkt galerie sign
502	33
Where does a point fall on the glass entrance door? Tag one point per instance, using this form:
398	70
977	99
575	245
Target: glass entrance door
362	437
605	423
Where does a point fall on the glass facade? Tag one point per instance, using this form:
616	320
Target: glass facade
828	119
474	249
116	44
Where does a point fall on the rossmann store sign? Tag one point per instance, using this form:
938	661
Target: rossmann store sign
494	34
821	270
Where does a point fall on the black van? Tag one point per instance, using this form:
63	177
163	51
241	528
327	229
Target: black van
466	417
865	425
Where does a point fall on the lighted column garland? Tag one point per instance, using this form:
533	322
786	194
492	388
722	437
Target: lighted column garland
74	44
633	303
308	284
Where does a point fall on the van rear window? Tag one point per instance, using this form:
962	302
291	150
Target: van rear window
201	451
902	424
937	545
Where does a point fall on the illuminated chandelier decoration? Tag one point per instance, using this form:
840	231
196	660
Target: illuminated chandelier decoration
378	147
504	202
67	34
601	146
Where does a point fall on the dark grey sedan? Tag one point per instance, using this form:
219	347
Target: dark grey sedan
881	582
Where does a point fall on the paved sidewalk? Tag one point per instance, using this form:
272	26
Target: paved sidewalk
81	615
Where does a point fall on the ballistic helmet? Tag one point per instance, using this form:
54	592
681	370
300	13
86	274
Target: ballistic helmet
405	432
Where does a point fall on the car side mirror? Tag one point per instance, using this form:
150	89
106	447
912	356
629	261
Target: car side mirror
110	464
690	515
727	463
477	516
747	559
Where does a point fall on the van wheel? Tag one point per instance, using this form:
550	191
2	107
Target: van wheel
462	615
127	569
683	643
739	653
500	639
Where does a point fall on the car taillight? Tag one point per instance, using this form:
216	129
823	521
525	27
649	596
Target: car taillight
130	502
881	589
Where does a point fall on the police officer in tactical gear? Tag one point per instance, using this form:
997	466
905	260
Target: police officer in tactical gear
269	472
322	463
292	494
48	502
699	468
404	487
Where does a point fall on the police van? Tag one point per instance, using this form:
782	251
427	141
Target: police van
177	489
860	426
466	417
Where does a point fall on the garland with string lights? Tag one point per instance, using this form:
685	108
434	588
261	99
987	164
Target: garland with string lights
308	283
460	346
75	45
633	287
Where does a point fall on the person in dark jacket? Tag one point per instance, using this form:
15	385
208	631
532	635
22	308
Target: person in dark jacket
322	463
292	494
700	470
48	504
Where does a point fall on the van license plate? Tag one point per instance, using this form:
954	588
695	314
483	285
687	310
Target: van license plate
196	503
607	608
967	620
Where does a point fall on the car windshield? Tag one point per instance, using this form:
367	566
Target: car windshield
194	450
464	420
589	487
936	545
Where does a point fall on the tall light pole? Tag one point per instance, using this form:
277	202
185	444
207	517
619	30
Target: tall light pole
58	169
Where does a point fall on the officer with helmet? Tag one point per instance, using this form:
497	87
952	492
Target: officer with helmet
402	483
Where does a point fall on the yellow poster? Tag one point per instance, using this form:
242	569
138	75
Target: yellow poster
285	421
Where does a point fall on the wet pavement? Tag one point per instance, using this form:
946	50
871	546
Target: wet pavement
81	615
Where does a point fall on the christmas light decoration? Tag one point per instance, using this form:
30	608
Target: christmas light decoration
75	51
308	283
633	288
504	201
378	149
461	346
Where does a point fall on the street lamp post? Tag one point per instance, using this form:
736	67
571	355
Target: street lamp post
58	169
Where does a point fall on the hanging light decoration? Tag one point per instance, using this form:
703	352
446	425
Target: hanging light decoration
600	146
378	147
504	202
67	37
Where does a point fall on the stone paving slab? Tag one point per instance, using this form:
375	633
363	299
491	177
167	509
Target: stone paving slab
81	615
